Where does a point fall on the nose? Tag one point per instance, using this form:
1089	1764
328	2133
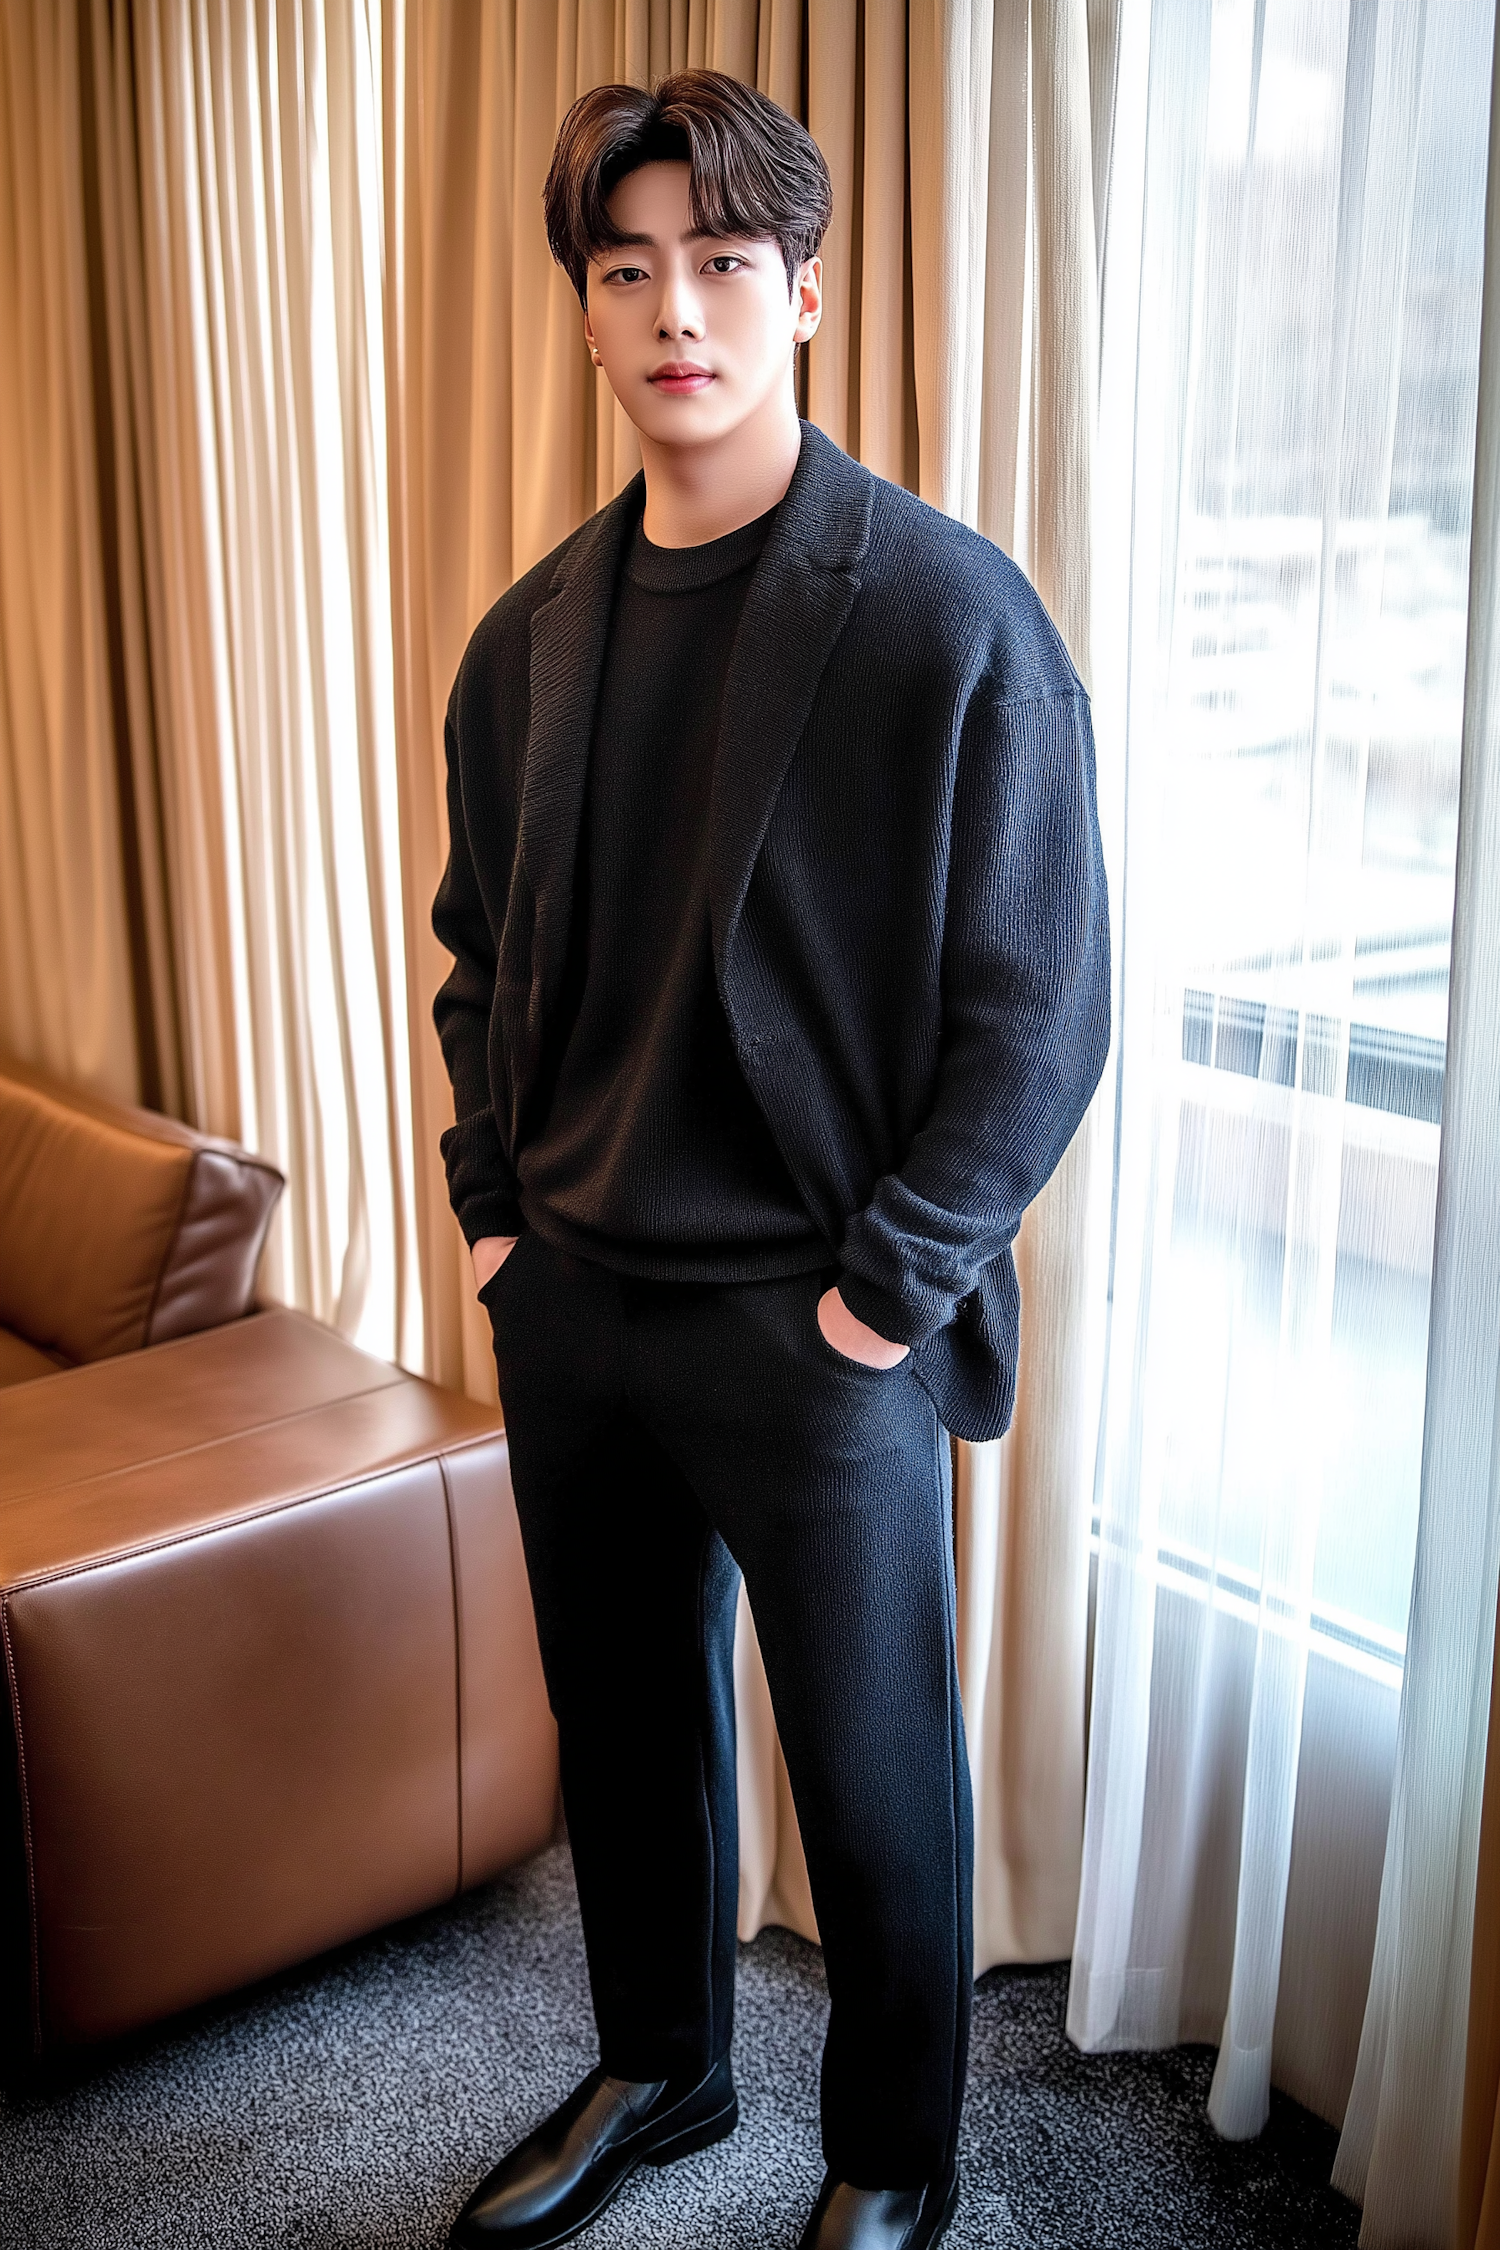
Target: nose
680	311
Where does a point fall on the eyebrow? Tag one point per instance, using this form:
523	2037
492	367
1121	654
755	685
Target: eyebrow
694	234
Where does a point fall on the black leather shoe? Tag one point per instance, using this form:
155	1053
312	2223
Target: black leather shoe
850	2218
578	2159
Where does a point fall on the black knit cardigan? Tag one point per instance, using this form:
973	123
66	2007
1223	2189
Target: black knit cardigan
909	919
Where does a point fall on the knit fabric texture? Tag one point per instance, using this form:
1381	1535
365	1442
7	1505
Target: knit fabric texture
906	894
651	1156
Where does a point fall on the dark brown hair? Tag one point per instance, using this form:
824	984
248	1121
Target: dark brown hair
753	170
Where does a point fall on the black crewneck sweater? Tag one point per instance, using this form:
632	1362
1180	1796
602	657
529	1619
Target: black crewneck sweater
652	1156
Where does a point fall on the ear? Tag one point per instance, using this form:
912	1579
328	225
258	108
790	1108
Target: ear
807	293
588	337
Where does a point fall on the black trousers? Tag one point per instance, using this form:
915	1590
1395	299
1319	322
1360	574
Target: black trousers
665	1437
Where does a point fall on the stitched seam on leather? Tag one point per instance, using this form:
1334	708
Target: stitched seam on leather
34	1952
172	1241
253	1514
458	1667
179	1343
206	1445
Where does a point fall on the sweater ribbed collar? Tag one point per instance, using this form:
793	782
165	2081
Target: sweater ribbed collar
685	570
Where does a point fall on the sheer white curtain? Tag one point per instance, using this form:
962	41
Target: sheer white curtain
1399	2152
1288	381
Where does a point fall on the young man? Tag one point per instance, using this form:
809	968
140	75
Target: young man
780	984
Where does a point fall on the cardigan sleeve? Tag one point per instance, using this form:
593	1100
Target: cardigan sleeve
1025	1015
481	1181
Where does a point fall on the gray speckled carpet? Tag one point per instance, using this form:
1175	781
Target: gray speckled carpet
355	2102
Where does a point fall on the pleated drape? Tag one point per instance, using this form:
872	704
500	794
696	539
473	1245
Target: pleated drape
944	363
66	959
201	852
1017	458
248	327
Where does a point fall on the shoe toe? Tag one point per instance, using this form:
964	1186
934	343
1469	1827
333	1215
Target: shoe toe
850	2218
521	2205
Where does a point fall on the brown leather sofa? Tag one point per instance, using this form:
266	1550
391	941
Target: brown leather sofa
270	1675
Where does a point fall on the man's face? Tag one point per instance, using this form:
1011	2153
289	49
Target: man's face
694	332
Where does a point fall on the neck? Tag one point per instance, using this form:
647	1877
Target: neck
695	493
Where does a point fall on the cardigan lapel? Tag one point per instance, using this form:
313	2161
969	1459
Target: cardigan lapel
799	598
569	635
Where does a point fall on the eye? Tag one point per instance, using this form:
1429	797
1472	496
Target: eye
726	262
626	273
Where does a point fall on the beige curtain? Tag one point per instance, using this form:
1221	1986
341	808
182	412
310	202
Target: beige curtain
195	242
956	355
66	996
1006	307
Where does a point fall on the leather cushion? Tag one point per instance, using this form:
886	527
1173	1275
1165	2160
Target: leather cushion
119	1228
123	1414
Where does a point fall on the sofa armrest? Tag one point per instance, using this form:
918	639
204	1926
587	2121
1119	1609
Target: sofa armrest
268	1670
119	1228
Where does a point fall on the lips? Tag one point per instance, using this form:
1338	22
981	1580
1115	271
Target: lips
679	378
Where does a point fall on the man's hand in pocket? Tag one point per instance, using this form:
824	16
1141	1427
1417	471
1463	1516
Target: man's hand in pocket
489	1255
852	1337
